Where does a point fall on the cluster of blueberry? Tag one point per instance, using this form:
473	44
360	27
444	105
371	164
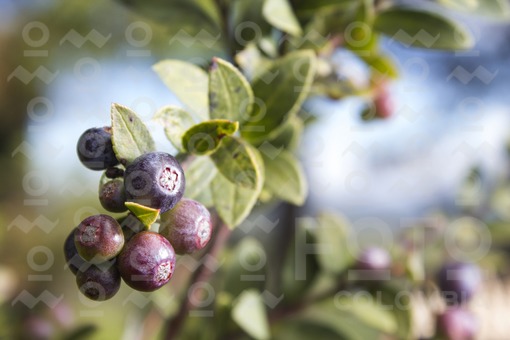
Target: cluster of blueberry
101	249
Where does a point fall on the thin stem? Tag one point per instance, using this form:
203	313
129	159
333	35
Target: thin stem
202	274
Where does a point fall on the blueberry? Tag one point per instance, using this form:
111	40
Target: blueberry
73	260
99	238
457	324
95	149
155	180
187	226
147	261
112	196
458	282
99	283
130	226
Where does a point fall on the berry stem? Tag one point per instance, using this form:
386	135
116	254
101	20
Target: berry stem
202	274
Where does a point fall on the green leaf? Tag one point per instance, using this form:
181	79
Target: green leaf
303	330
175	121
279	13
330	20
398	300
285	177
230	94
320	5
247	19
205	197
381	66
130	136
188	82
249	312
495	9
199	174
279	91
290	136
233	201
344	324
252	62
204	138
236	160
146	215
420	28
190	10
332	232
181	28
369	311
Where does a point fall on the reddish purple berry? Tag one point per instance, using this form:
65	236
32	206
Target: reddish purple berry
155	180
458	282
99	283
95	149
112	196
99	238
456	324
373	264
187	226
373	258
147	262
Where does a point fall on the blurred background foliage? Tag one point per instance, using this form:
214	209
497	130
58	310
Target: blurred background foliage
438	165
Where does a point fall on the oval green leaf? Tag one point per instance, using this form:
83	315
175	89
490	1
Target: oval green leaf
290	136
495	9
279	13
236	160
285	177
232	201
279	93
249	312
204	138
145	214
332	232
420	28
188	82
230	94
130	136
199	175
176	122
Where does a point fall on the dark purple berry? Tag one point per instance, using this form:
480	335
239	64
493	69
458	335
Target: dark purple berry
99	283
456	324
187	226
130	226
73	259
95	149
458	282
99	238
112	196
147	261
155	180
